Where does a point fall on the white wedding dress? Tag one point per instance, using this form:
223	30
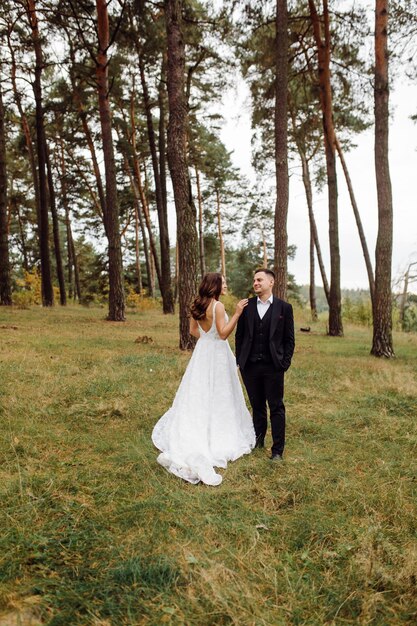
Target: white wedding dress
208	423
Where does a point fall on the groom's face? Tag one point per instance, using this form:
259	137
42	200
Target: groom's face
262	284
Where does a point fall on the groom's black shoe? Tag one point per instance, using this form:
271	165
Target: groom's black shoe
259	442
277	458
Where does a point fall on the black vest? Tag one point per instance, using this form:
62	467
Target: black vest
260	342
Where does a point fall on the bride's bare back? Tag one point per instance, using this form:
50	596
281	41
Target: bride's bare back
207	322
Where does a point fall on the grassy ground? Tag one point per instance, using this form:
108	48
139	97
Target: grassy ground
94	532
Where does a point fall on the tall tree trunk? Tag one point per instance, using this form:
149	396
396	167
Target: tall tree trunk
308	188
312	290
65	204
382	307
22	238
323	53
162	132
55	227
140	200
153	258
264	249
313	225
165	276
5	279
281	150
139	286
94	160
70	261
93	195
47	290
76	268
358	220
82	114
116	294
152	275
403	300
145	206
25	126
220	233
187	239
176	274
200	225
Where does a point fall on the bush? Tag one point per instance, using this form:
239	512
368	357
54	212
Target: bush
30	292
140	301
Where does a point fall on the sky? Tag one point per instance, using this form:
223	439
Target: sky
236	134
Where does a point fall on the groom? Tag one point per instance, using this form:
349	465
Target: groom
264	348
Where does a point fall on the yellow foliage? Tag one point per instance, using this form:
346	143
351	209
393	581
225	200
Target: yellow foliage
140	301
31	290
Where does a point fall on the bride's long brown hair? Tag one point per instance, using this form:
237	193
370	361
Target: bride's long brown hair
210	287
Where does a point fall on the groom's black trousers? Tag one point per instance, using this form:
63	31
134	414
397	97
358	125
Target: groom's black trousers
265	384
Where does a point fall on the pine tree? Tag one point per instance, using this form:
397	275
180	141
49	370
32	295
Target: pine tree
382	307
5	280
187	240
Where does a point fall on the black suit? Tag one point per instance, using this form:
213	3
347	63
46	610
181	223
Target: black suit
264	377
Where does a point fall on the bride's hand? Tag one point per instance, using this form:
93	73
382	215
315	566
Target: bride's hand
240	306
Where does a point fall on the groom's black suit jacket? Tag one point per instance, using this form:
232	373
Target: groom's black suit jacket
281	336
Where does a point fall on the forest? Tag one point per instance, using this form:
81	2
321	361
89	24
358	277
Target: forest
117	194
109	126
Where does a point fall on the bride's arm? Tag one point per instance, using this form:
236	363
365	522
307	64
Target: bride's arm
194	331
225	328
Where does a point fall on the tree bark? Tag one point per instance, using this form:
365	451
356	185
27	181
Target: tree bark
382	344
165	274
82	114
312	290
76	267
162	132
200	225
5	279
152	275
403	300
138	268
220	233
55	229
47	290
136	186
281	150
25	127
154	266
309	198
145	207
323	52
116	294
64	197
264	249
358	220
187	240
72	259
22	238
96	201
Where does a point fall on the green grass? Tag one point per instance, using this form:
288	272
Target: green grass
95	532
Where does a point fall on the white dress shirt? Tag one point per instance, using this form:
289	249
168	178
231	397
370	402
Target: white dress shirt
264	306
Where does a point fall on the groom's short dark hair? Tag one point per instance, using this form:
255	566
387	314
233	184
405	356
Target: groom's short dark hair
266	271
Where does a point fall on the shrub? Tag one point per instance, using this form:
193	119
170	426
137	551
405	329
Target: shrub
30	292
140	301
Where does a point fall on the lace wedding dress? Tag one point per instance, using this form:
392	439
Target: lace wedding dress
208	423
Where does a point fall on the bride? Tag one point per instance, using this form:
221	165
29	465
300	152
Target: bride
208	423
